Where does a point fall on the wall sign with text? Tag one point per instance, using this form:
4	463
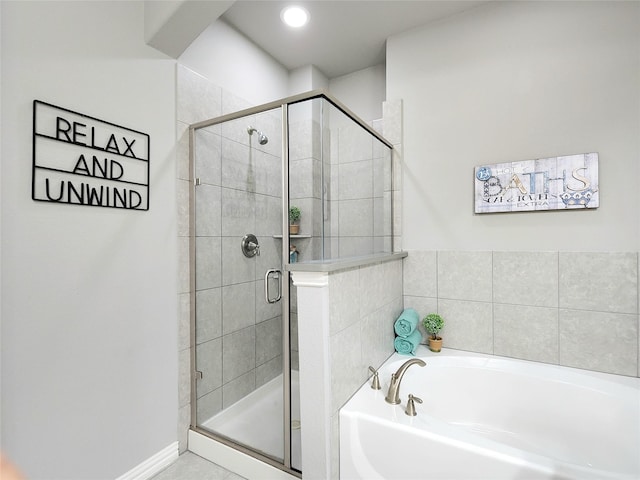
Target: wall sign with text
556	183
81	160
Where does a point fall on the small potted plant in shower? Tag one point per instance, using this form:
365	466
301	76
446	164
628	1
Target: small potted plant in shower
294	220
433	323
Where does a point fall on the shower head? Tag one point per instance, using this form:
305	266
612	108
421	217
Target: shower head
262	138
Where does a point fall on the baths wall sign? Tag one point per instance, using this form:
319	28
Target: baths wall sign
82	160
556	183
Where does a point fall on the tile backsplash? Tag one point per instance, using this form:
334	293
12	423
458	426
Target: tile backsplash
577	309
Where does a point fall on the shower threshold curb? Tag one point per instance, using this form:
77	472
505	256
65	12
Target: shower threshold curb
233	460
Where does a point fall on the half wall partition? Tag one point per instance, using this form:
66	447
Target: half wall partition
249	169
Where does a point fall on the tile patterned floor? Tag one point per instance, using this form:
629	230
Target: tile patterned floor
190	466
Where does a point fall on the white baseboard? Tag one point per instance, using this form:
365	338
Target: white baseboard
153	465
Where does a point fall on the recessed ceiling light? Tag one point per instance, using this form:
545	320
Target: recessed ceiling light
294	16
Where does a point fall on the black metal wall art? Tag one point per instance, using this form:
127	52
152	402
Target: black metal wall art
82	160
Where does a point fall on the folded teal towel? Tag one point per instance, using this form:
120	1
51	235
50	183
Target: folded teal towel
408	345
407	322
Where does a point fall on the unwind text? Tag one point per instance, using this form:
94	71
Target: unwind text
82	160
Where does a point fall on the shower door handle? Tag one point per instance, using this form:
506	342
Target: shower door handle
276	274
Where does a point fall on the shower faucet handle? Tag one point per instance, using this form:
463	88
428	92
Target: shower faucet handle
250	246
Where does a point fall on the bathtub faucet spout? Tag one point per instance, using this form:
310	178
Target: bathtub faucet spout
393	395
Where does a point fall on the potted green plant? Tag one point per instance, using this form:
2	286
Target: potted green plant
294	219
433	323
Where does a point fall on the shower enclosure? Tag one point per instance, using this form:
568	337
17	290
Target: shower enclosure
249	168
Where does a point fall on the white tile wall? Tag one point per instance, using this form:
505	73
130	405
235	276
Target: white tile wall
420	274
240	186
344	291
363	304
209	311
192	89
359	192
210	363
208	211
465	276
577	309
208	157
606	282
392	131
527	332
183	186
526	278
601	341
472	328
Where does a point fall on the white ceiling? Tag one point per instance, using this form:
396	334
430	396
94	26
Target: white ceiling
343	36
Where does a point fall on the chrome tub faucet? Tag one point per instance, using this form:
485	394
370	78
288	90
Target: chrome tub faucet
393	395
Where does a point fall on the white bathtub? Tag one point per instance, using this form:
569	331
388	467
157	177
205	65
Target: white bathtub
488	417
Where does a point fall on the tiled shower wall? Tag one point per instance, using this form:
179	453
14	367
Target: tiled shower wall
238	334
359	195
577	309
239	193
332	157
305	178
237	196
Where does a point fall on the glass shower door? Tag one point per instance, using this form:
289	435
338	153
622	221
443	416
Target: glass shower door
239	282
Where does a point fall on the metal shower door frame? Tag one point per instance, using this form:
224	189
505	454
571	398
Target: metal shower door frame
283	104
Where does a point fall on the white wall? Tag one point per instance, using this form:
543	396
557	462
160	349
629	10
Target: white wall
362	92
231	61
171	26
157	14
306	78
519	81
89	343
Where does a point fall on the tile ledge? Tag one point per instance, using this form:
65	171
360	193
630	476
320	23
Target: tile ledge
332	266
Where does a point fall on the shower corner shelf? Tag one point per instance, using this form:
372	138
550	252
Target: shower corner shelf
293	236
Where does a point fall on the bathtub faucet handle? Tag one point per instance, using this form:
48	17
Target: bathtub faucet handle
411	406
393	394
375	383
